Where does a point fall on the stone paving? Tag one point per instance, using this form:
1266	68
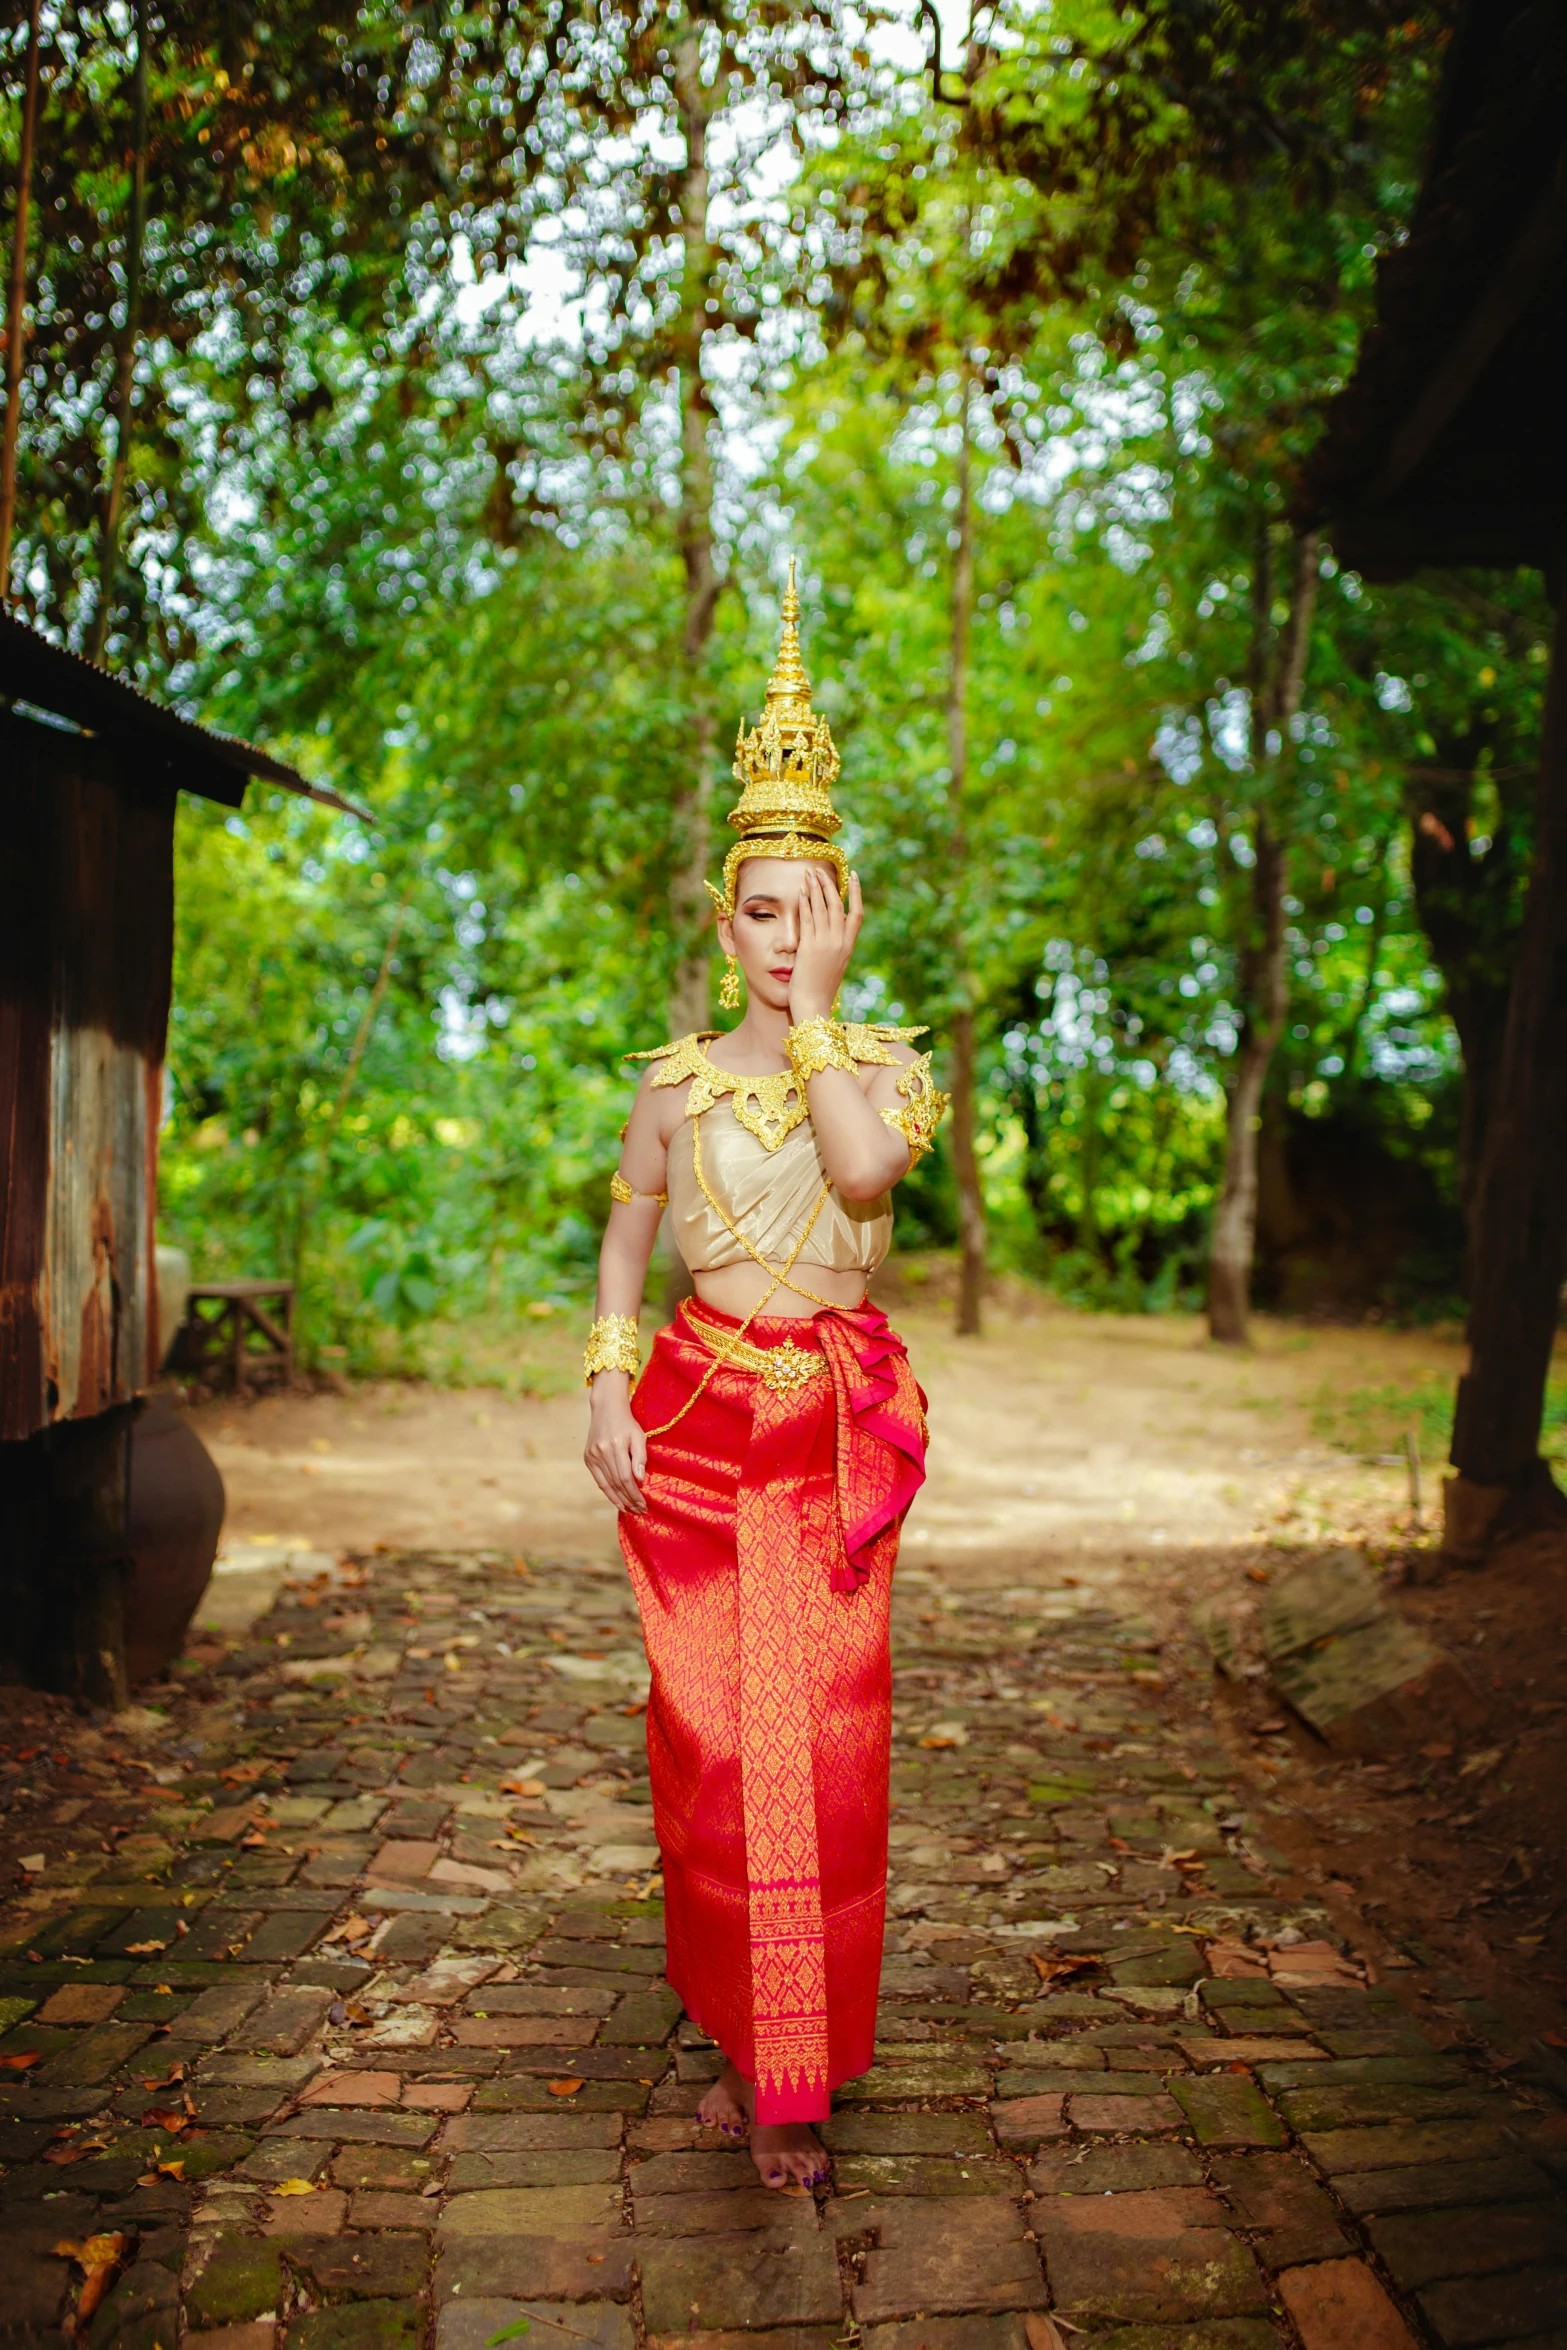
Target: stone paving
334	2017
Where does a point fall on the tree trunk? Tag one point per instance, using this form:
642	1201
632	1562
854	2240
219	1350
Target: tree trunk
1465	909
16	314
1277	686
971	1199
1519	1243
965	1162
114	494
1267	999
690	997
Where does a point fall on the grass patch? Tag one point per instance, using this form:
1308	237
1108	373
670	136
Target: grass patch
1372	1422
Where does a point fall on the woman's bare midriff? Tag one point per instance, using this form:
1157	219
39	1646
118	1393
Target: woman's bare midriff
739	1290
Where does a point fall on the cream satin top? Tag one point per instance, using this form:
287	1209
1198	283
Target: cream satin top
769	1194
749	1139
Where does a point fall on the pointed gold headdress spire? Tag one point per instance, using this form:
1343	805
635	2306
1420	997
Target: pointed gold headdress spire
786	768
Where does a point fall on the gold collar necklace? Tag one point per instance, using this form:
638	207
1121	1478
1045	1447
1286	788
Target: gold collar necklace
770	1106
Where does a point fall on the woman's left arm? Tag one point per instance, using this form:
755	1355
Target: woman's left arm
860	1151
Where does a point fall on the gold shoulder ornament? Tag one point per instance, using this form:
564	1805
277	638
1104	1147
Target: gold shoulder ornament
924	1106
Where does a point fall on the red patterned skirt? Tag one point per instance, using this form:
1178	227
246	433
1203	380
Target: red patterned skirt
763	1571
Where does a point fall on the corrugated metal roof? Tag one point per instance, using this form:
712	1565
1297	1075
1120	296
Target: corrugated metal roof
63	685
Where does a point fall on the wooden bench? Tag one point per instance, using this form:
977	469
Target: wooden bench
230	1338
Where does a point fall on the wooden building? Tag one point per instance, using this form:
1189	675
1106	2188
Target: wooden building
89	773
1447	450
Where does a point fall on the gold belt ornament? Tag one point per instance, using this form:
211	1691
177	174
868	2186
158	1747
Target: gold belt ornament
785	1369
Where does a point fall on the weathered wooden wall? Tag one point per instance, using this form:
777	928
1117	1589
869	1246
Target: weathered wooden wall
86	945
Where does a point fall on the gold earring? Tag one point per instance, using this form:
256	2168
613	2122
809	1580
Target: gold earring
729	988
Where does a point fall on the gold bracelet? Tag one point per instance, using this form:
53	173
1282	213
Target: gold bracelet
816	1045
612	1346
622	1194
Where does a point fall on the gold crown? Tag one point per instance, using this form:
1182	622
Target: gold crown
787	766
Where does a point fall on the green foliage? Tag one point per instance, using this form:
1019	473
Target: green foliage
390	516
309	171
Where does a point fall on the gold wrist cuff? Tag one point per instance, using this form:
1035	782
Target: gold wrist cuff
612	1346
622	1194
816	1045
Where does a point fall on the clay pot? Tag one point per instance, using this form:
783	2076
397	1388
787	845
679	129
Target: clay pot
173	1524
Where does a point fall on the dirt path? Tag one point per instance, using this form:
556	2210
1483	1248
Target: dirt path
1056	1434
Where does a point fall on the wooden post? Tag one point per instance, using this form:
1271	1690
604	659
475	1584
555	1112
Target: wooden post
1519	1228
16	314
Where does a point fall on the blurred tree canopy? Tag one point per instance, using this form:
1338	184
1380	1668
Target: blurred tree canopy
409	496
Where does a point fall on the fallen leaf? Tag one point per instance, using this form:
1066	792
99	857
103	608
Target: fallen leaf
243	1774
352	1929
163	2170
33	1863
174	2075
21	2062
165	2117
522	1787
144	1949
1486	1760
564	2088
1056	1965
296	2187
99	2258
58	2156
519	2325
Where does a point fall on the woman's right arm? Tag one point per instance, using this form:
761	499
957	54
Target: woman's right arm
616	1451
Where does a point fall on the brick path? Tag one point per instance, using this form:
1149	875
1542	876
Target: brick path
337	2000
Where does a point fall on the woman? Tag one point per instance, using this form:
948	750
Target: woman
764	1465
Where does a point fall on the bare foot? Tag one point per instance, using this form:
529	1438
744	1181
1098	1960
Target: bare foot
727	2105
788	2154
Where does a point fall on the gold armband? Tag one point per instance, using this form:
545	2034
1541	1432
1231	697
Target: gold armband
816	1045
612	1346
924	1108
622	1194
